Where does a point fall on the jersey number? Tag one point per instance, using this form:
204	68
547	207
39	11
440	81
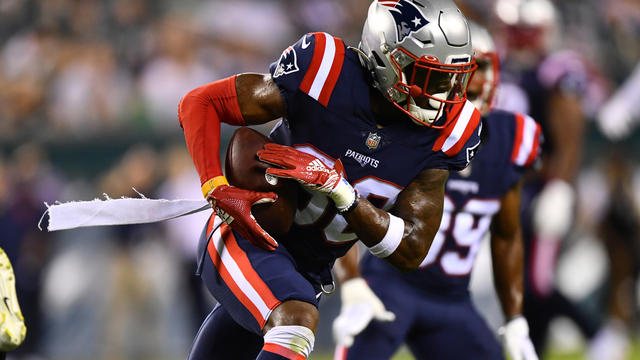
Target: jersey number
380	193
466	227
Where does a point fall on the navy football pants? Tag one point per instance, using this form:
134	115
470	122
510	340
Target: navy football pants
433	328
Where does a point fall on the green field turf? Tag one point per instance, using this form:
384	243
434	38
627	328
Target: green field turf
551	355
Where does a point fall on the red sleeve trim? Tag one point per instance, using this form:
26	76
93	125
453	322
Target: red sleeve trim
455	136
316	60
526	145
535	152
518	137
326	64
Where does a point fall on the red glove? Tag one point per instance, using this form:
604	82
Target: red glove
298	165
310	172
231	203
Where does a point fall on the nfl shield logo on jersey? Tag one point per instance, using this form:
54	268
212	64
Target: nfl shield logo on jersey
373	140
287	64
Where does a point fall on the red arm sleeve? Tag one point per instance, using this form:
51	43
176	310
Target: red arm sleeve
200	113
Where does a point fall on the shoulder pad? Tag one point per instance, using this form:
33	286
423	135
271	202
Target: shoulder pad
456	135
312	65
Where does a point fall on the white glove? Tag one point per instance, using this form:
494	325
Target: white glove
618	114
514	336
553	212
359	306
614	119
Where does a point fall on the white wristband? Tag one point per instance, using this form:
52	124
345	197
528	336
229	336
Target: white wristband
391	239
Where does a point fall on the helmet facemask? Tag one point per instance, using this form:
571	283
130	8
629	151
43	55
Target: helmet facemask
426	86
484	81
420	56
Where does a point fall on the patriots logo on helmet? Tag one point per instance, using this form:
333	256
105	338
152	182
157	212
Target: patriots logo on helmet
287	64
407	16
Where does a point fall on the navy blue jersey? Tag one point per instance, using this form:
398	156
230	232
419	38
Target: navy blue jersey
328	114
565	71
473	196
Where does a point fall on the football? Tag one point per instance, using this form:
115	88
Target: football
244	170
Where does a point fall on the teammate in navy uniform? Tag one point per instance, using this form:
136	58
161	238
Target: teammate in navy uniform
364	130
559	86
430	309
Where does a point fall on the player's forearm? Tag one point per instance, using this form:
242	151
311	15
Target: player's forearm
507	255
368	222
566	122
200	113
410	232
375	227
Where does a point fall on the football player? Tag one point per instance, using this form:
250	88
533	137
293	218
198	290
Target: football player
363	129
12	328
431	307
559	89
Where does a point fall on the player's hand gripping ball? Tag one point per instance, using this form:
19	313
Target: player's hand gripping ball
245	172
311	172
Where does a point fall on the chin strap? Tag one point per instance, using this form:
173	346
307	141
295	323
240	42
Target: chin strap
427	115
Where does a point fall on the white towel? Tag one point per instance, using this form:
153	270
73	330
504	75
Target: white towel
122	211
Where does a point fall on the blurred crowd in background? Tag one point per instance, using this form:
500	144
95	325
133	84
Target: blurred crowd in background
88	101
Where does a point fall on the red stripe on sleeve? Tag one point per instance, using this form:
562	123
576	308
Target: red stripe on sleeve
518	139
334	73
200	113
535	149
282	351
471	127
316	60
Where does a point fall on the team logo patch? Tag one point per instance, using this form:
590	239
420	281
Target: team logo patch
407	16
288	63
373	140
471	152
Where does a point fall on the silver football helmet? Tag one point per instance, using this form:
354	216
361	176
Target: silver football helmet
485	80
420	56
529	24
